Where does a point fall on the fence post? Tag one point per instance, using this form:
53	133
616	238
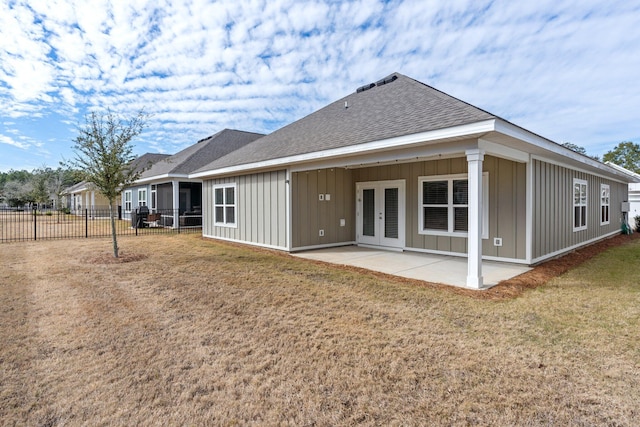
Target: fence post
86	223
35	223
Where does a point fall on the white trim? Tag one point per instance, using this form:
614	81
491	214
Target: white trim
384	144
420	153
406	141
485	205
161	177
585	219
143	192
608	204
509	129
475	212
325	246
570	248
130	201
625	171
382	241
261	245
288	208
500	150
573	168
225	205
529	211
509	260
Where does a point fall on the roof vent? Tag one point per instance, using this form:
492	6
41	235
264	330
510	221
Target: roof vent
365	87
387	80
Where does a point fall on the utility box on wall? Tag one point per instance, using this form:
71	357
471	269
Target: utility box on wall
625	207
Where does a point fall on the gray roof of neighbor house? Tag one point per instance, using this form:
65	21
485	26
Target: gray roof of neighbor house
75	187
201	153
139	164
397	105
147	160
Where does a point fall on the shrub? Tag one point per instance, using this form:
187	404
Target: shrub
637	220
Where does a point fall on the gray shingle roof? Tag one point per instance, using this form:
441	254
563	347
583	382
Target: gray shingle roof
203	152
400	107
147	160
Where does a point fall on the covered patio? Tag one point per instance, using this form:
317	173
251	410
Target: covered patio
448	270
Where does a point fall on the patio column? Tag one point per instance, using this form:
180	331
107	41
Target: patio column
176	203
475	158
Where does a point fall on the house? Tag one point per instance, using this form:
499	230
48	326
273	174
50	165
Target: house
634	194
166	189
400	165
85	196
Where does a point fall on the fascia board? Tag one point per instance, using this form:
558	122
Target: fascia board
514	131
384	144
503	151
161	177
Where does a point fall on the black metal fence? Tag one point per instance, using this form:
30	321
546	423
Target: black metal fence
34	224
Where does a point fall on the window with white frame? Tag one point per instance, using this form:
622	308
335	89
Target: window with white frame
224	206
127	201
153	196
579	204
605	203
142	197
444	205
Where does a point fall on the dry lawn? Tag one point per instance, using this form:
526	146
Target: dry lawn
187	331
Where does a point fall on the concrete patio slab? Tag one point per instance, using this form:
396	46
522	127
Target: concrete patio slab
444	269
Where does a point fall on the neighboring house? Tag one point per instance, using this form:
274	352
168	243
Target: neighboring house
166	188
634	194
84	195
400	165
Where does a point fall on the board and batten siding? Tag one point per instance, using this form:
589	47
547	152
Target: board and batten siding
261	209
309	214
553	209
507	203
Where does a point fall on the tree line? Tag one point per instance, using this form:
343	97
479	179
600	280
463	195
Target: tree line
40	187
625	154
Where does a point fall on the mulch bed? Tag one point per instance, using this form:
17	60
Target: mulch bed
546	271
108	258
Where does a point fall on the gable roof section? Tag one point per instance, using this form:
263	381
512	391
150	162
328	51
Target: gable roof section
147	160
201	153
402	106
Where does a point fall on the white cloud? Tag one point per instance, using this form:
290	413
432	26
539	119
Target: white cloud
4	139
560	68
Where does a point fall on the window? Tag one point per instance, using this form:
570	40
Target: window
224	205
153	196
579	204
444	205
605	201
127	201
142	197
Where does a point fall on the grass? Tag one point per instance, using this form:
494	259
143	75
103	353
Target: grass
197	332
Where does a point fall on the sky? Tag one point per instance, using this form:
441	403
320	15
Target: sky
566	70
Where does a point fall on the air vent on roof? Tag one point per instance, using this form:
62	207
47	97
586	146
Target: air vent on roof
386	80
365	87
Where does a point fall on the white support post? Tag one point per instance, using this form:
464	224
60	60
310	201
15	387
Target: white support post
474	240
176	203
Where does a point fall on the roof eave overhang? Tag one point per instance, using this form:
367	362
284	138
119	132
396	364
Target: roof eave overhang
513	132
161	177
556	151
477	128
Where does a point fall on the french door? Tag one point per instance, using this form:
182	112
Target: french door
380	213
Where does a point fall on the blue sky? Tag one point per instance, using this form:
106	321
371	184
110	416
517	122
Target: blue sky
567	70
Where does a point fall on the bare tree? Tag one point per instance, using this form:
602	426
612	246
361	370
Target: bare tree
104	154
